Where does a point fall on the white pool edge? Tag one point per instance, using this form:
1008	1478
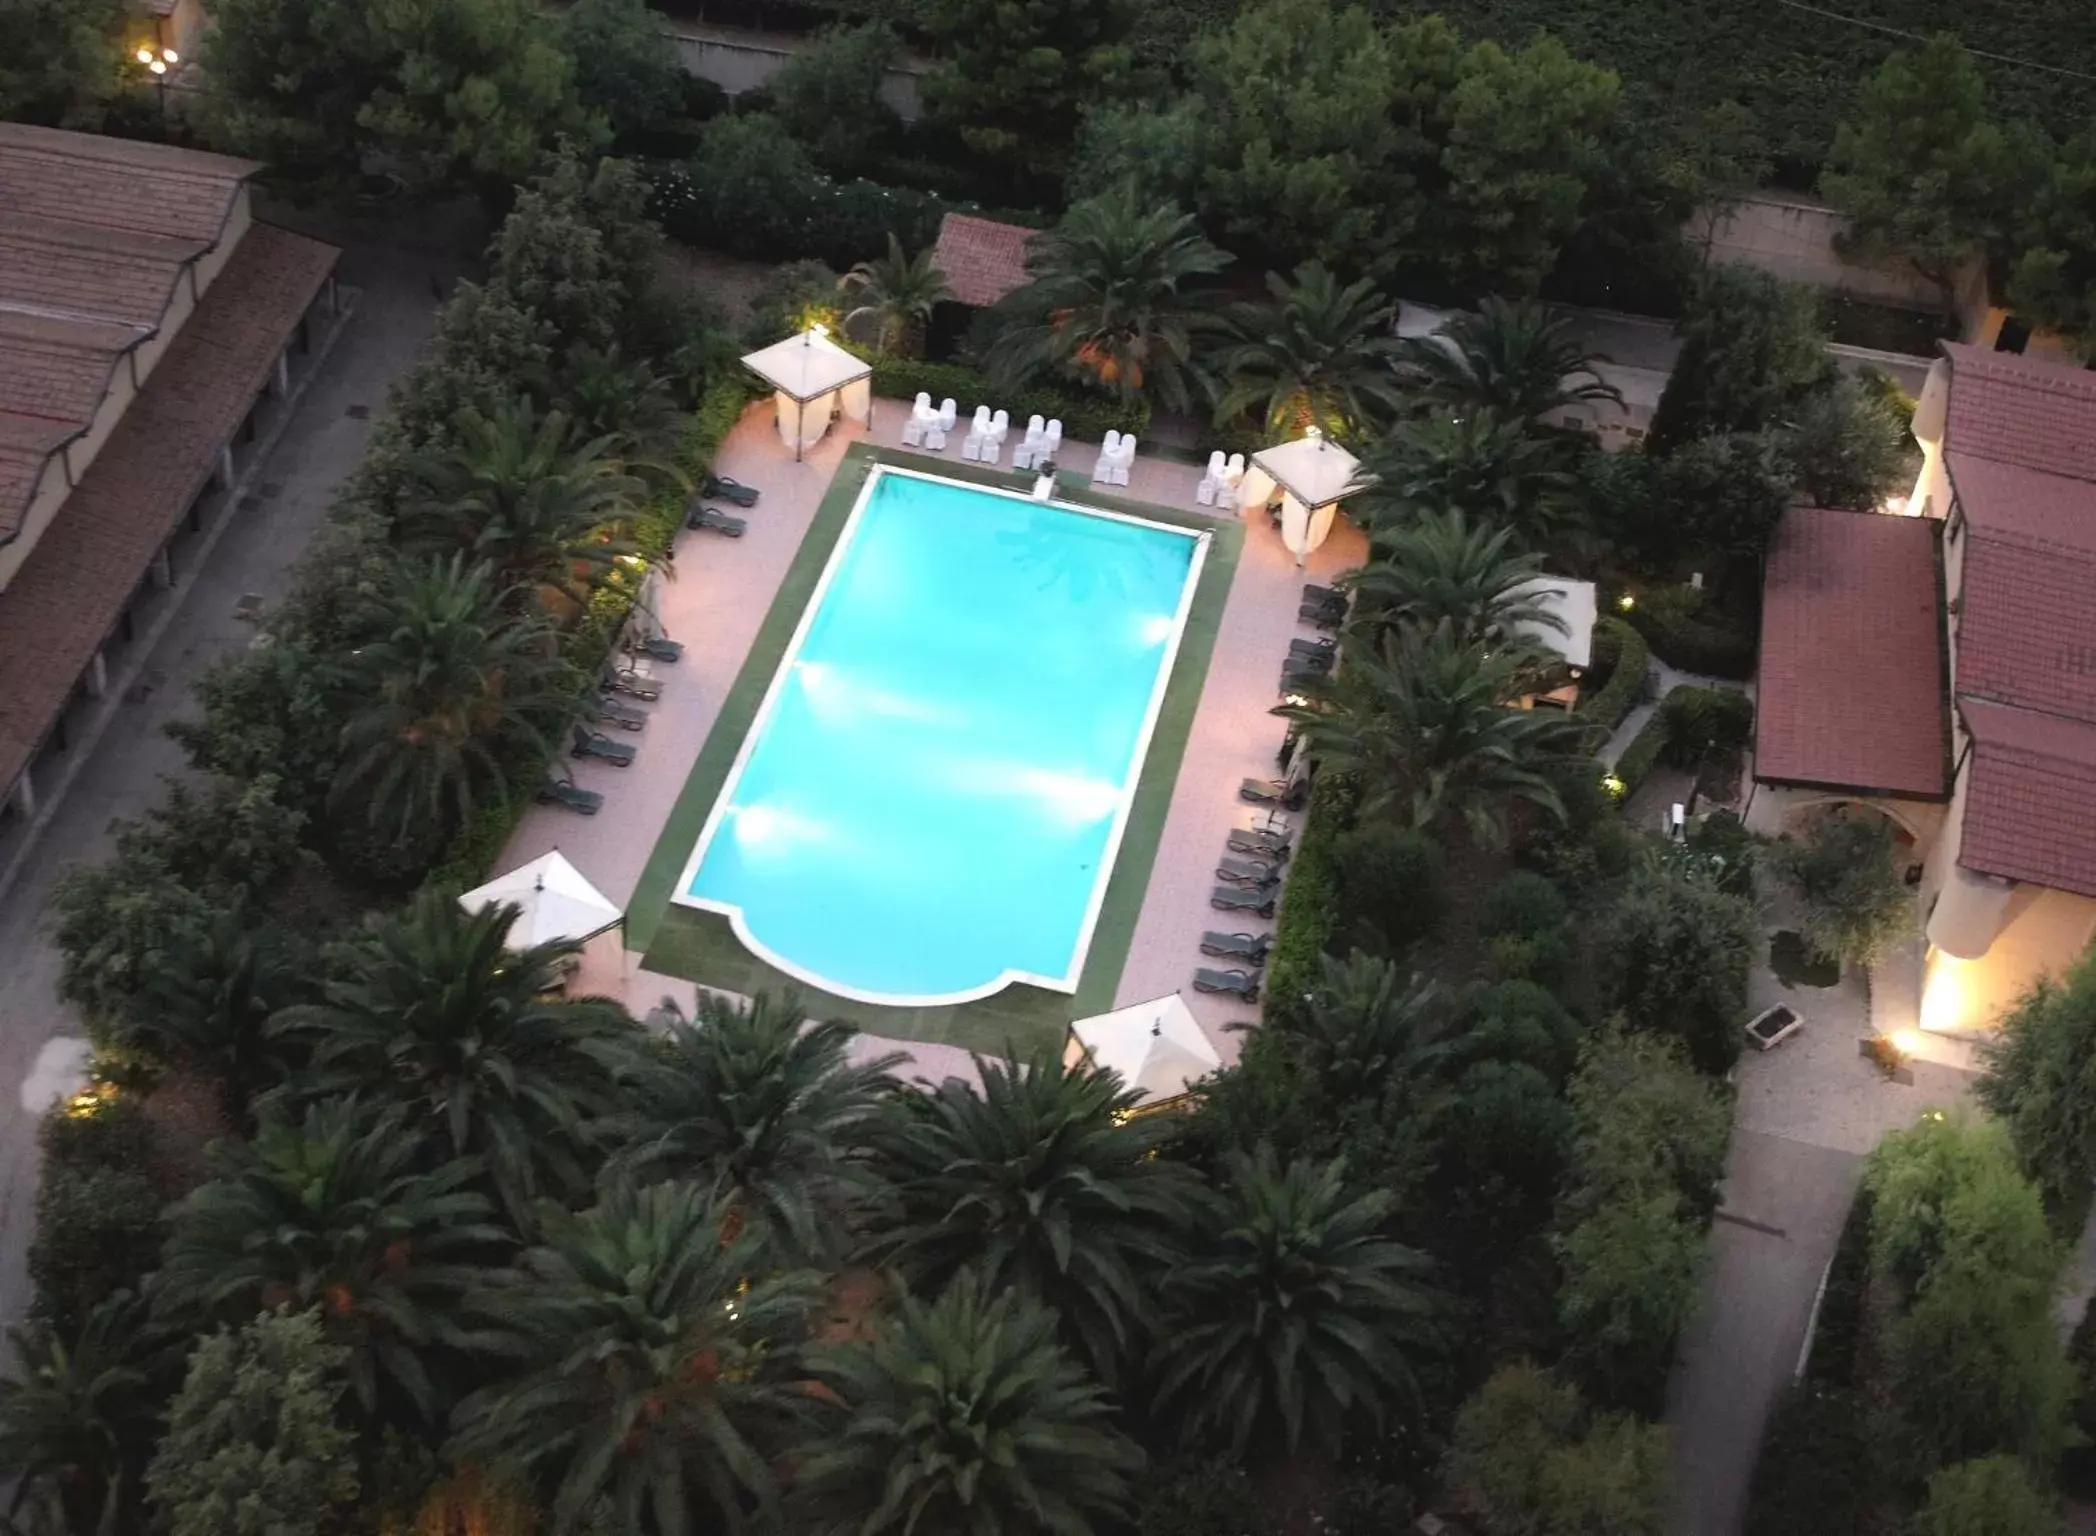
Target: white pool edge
1138	759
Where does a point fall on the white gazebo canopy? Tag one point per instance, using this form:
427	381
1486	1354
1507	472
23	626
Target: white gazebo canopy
1158	1047
812	380
553	899
1575	604
1313	475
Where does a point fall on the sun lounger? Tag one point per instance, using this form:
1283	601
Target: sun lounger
1289	797
1248	947
1264	845
660	647
731	490
1330	596
1317	616
619	711
1243	871
1241	984
1302	647
1244	898
599	713
625	680
589	743
717	520
566	792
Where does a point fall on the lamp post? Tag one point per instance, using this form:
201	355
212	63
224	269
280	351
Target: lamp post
158	61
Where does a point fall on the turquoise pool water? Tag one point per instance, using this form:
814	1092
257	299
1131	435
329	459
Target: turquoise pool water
933	791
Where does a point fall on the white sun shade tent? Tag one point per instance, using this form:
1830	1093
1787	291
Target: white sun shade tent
1574	605
1158	1047
812	379
554	902
1313	475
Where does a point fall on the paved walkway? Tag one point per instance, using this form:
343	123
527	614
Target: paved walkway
294	486
725	587
1808	1112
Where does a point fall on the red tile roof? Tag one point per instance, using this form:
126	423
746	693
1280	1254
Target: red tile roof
143	481
94	236
2020	446
1850	691
983	260
2030	788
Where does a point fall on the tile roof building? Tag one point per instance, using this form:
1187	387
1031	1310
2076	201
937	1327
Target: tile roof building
142	314
2006	503
983	260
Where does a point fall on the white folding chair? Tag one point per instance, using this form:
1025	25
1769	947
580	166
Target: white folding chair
1211	484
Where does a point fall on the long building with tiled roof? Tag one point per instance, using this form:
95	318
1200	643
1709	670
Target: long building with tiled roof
143	312
1974	730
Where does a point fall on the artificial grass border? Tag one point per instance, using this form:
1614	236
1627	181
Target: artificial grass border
700	946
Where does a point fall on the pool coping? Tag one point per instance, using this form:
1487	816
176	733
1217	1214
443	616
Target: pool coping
681	892
677	940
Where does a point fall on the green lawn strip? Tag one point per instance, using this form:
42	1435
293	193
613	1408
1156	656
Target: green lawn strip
701	946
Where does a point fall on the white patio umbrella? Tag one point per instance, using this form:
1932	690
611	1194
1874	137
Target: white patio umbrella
1158	1047
554	902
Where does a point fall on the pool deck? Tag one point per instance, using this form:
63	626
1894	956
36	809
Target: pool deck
723	590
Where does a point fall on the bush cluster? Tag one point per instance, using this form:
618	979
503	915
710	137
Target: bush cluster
1622	658
1085	417
1686	632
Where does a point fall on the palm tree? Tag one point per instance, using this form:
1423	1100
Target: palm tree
898	294
78	1419
517	491
206	1006
1105	303
457	688
654	1361
434	1012
1481	464
1423	721
1317	355
622	403
1445	569
330	1212
966	1417
1519	361
1369	1023
1297	1318
1041	1180
759	1101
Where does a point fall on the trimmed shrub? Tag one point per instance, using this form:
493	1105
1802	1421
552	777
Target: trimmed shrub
1523	903
1310	907
1728	851
1391	886
1629	659
1522	1021
1706	722
1816	1474
1085	417
98	1231
1685	633
1643	753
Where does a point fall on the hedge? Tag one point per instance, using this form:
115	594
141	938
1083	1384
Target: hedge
839	222
1682	632
1085	417
1310	907
1607	705
1706	722
1643	752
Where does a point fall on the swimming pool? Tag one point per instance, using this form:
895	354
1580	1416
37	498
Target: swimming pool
929	802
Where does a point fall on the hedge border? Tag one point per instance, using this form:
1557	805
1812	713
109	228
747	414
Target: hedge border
1607	705
1637	761
1084	417
1310	900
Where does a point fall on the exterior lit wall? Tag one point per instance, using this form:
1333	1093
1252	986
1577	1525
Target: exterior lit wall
2045	933
55	484
1773	810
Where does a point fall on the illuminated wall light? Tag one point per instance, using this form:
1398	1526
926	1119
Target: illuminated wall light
1947	1000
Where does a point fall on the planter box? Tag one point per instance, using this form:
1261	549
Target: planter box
1772	1026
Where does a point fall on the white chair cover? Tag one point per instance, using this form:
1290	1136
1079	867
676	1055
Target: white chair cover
948	413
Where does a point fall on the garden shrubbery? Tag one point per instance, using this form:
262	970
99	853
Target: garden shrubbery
1621	655
1688	634
1085	417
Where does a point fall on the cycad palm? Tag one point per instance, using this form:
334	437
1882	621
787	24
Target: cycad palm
1369	1023
517	491
1443	568
206	1007
897	293
1106	301
78	1417
654	1364
1297	1318
1518	361
1318	354
1482	464
963	1416
763	1102
1042	1181
456	688
1425	724
436	1013
331	1212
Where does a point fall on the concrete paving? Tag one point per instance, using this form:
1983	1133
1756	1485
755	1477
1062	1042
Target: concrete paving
293	487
